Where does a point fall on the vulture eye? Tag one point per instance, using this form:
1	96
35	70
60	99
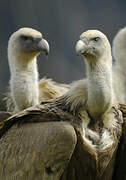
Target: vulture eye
25	38
96	39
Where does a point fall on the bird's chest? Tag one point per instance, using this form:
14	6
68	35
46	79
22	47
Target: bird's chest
97	146
91	164
98	164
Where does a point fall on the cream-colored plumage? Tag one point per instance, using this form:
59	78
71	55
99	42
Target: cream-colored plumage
119	67
25	90
49	89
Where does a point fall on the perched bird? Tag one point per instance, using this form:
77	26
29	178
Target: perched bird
119	67
25	89
89	106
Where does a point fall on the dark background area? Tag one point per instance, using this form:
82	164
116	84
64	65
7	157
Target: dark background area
61	23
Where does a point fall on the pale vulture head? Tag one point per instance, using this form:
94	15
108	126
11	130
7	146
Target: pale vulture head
94	45
27	42
119	47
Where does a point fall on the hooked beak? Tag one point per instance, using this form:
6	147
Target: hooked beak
81	46
42	45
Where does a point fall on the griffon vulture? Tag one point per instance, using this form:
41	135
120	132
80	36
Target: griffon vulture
27	148
25	90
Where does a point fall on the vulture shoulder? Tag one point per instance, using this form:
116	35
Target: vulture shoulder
47	111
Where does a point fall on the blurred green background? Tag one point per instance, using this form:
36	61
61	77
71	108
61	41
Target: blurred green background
61	23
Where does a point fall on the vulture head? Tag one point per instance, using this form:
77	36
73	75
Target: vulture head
93	45
27	42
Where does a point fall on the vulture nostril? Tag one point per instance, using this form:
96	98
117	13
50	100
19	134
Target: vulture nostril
38	39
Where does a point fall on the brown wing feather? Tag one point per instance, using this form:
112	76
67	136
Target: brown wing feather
46	112
36	151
